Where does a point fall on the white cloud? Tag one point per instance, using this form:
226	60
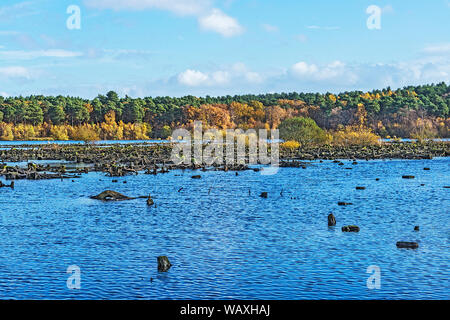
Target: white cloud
240	70
15	72
192	78
221	77
221	23
209	18
303	69
27	55
335	70
336	76
437	49
237	73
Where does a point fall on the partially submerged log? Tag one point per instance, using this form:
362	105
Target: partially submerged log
109	195
350	229
407	245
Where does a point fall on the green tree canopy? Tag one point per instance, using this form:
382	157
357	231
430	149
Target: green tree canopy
303	130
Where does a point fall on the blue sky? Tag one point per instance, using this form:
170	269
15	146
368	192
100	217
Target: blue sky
207	47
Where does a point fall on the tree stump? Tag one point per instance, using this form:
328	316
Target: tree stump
163	264
331	220
150	200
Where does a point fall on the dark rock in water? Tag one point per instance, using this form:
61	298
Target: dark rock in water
407	245
163	264
446	187
150	200
109	195
377	179
114	181
196	177
422	184
426	169
360	188
408	177
350	229
331	220
263	195
416	228
341	203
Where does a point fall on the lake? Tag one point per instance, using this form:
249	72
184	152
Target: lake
228	243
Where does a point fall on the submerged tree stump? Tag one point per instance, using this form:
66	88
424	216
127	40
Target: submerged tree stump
163	264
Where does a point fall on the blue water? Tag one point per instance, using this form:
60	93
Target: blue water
226	244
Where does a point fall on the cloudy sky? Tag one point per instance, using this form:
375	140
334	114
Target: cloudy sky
219	47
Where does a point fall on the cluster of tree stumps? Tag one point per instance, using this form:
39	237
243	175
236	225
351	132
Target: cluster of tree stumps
120	160
39	172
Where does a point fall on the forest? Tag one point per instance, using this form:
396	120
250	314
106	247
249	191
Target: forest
410	112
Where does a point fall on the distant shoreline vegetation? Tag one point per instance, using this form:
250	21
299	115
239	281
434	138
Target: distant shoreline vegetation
355	117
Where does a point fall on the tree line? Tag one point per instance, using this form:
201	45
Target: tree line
405	112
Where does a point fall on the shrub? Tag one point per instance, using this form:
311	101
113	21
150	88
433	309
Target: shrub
59	133
290	145
355	136
6	132
85	133
303	130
